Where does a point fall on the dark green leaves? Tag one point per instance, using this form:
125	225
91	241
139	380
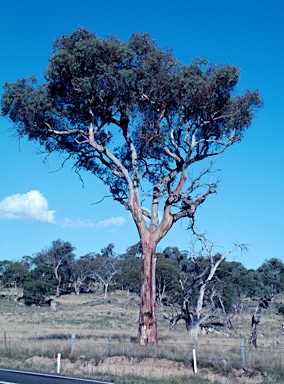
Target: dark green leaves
99	88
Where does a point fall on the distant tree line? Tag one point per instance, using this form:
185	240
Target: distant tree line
56	270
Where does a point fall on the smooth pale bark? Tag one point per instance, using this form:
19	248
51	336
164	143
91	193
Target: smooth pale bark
194	317
57	294
147	332
150	237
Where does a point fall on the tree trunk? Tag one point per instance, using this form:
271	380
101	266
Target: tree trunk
149	237
193	330
77	288
105	292
147	332
262	304
57	290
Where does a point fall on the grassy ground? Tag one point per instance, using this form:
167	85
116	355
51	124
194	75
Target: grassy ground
105	347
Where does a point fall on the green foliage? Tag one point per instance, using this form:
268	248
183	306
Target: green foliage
155	101
131	113
179	258
167	276
129	274
60	257
108	251
40	284
82	270
13	274
4	265
272	273
281	310
232	281
36	292
129	279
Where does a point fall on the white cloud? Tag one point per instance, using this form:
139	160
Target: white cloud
31	206
117	221
81	223
75	224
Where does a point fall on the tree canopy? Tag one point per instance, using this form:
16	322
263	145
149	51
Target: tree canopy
170	115
137	118
58	256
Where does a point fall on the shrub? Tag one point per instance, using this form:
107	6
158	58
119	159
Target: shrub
40	284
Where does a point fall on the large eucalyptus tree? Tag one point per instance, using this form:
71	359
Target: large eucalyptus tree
137	118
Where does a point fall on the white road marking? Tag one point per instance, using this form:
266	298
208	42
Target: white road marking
6	382
49	376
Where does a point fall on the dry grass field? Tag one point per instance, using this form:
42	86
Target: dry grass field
98	340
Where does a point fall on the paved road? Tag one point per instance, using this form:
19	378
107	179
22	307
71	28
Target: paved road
22	377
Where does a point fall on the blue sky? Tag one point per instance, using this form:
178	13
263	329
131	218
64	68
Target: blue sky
40	203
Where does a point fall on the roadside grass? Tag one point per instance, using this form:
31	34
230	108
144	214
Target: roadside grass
133	379
106	330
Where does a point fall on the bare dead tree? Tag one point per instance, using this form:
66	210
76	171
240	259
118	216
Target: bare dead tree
204	307
105	271
255	320
237	308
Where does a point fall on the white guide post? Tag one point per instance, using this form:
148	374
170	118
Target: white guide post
58	362
194	360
